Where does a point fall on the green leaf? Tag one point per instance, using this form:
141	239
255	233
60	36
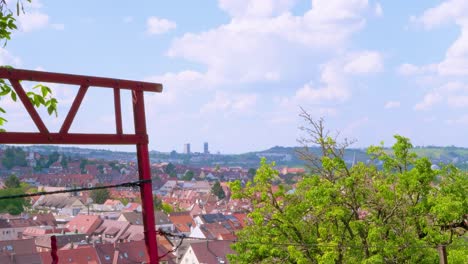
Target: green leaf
13	96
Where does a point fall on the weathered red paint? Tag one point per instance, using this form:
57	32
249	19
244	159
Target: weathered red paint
140	138
53	251
144	172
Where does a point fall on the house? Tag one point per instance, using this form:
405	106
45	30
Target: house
78	255
162	221
132	207
183	222
209	252
113	205
13	228
62	204
85	224
44	244
22	251
129	252
110	231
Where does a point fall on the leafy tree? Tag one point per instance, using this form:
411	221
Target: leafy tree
170	169
99	196
44	95
52	158
64	162
218	190
251	173
399	214
159	205
12	182
14	156
83	164
188	176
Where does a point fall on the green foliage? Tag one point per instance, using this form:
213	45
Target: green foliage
188	176
99	196
170	169
355	215
14	156
159	205
38	99
83	164
12	182
218	190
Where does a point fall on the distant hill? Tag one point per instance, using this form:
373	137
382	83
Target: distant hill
283	156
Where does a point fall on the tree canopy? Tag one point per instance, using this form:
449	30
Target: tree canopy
218	190
99	196
40	95
358	214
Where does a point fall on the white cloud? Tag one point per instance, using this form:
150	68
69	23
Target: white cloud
411	69
34	18
257	47
455	12
255	8
157	26
32	21
378	10
230	103
6	58
444	13
365	62
454	94
392	104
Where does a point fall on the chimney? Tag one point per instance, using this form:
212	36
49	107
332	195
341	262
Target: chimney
115	258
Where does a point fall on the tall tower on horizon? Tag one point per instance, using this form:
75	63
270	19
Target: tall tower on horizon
205	148
187	148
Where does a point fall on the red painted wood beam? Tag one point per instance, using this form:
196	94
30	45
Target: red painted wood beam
73	109
73	138
144	172
118	111
52	77
29	106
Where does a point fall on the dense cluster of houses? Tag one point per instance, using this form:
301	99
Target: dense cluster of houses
112	232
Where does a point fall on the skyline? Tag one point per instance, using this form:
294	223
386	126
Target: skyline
236	72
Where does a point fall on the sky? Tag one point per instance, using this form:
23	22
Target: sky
236	72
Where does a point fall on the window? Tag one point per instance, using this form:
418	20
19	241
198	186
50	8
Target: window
107	257
9	247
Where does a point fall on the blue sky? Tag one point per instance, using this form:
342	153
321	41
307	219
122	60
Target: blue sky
235	72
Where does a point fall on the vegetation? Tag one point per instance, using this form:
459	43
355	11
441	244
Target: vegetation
14	156
170	169
13	186
188	176
44	95
359	214
218	190
99	196
159	205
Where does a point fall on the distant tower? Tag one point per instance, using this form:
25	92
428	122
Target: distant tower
354	160
205	148
187	148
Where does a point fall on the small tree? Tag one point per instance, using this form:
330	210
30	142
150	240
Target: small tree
99	196
218	190
12	182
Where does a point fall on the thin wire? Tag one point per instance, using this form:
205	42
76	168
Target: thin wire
302	244
166	234
125	184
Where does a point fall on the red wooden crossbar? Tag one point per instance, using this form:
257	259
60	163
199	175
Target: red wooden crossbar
139	138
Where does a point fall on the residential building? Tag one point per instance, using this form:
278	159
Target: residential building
209	252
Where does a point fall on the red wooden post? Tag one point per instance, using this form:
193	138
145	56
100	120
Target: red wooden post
53	252
144	171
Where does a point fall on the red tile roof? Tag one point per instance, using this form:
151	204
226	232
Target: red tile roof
84	224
